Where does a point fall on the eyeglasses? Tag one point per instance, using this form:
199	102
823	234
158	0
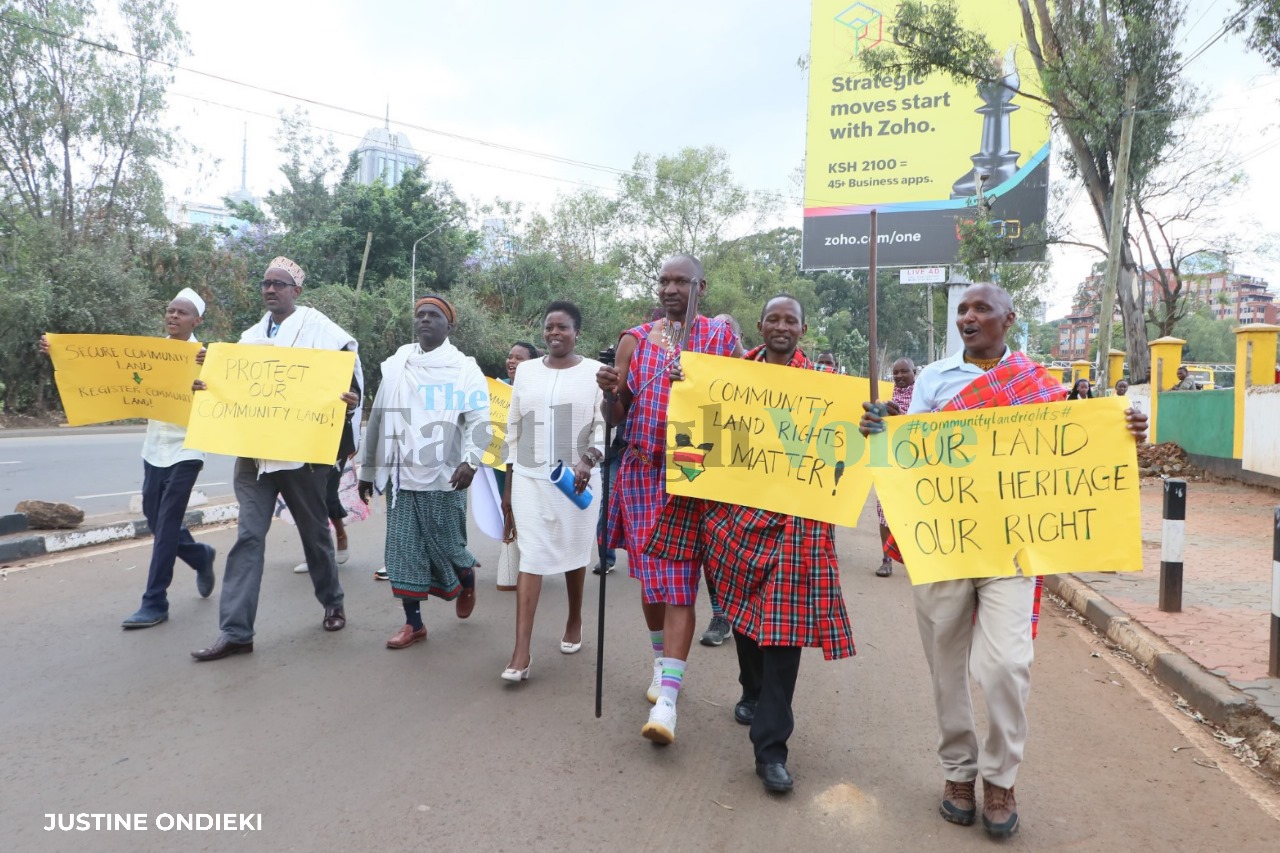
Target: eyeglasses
278	285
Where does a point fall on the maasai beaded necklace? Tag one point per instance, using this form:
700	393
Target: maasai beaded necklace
983	364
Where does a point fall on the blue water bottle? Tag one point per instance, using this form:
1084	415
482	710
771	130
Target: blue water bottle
563	478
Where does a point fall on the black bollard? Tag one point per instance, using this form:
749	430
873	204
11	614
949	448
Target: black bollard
1172	539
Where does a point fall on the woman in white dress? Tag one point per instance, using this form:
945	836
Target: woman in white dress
554	418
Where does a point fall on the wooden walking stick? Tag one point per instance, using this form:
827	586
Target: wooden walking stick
606	357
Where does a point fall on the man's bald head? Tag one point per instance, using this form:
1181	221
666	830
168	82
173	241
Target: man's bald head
993	293
983	318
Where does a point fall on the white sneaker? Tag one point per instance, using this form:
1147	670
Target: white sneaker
341	555
654	686
300	569
661	727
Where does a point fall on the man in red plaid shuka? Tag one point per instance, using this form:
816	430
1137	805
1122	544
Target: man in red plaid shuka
776	574
636	390
996	646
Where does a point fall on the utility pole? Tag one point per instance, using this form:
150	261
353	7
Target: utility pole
1115	241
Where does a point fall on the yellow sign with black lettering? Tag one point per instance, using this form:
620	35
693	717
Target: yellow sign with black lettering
499	404
768	436
116	377
267	402
1053	487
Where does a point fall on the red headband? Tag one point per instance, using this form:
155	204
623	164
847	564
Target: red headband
445	308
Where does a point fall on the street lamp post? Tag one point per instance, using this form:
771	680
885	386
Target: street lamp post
413	263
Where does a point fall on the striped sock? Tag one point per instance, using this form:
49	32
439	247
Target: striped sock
655	641
716	609
672	676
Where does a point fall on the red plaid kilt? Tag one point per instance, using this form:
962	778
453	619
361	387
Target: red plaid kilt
776	575
642	500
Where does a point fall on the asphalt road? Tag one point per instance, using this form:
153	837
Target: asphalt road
97	470
340	744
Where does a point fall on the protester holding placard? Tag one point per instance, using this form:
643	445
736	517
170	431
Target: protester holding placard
776	573
554	422
981	627
636	391
426	437
168	474
904	385
509	556
718	628
258	482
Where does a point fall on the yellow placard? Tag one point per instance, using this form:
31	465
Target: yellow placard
499	404
1053	485
267	402
113	377
768	436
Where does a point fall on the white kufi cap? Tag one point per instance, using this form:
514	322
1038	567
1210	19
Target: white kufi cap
192	297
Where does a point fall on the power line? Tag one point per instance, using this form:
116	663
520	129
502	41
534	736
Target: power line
1227	27
345	133
555	158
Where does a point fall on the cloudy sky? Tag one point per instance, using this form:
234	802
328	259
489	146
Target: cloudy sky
525	101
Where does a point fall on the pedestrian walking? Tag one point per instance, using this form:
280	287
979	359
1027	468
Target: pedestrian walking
258	482
981	629
637	390
554	426
427	434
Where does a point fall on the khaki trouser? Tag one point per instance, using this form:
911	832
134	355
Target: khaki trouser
996	650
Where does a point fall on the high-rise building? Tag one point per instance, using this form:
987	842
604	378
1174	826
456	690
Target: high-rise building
214	215
385	154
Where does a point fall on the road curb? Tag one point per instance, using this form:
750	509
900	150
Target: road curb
54	541
1216	699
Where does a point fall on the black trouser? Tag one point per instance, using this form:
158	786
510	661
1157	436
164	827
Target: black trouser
165	492
768	675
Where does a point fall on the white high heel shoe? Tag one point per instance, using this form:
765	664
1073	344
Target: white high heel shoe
510	674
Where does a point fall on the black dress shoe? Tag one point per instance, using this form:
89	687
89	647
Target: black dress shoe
745	711
775	776
221	648
334	619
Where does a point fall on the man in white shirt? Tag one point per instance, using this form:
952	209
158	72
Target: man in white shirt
168	473
258	482
994	649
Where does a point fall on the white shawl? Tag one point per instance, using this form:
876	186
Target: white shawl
422	406
306	328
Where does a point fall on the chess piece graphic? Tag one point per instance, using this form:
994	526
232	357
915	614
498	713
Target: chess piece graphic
995	158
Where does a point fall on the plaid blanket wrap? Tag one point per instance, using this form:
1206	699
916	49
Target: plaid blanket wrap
1016	381
640	494
776	575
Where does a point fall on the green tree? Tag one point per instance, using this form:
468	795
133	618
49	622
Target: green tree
1261	19
81	138
1083	53
80	126
1209	340
676	203
323	214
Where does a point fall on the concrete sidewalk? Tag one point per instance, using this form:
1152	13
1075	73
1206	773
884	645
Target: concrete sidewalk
1213	653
